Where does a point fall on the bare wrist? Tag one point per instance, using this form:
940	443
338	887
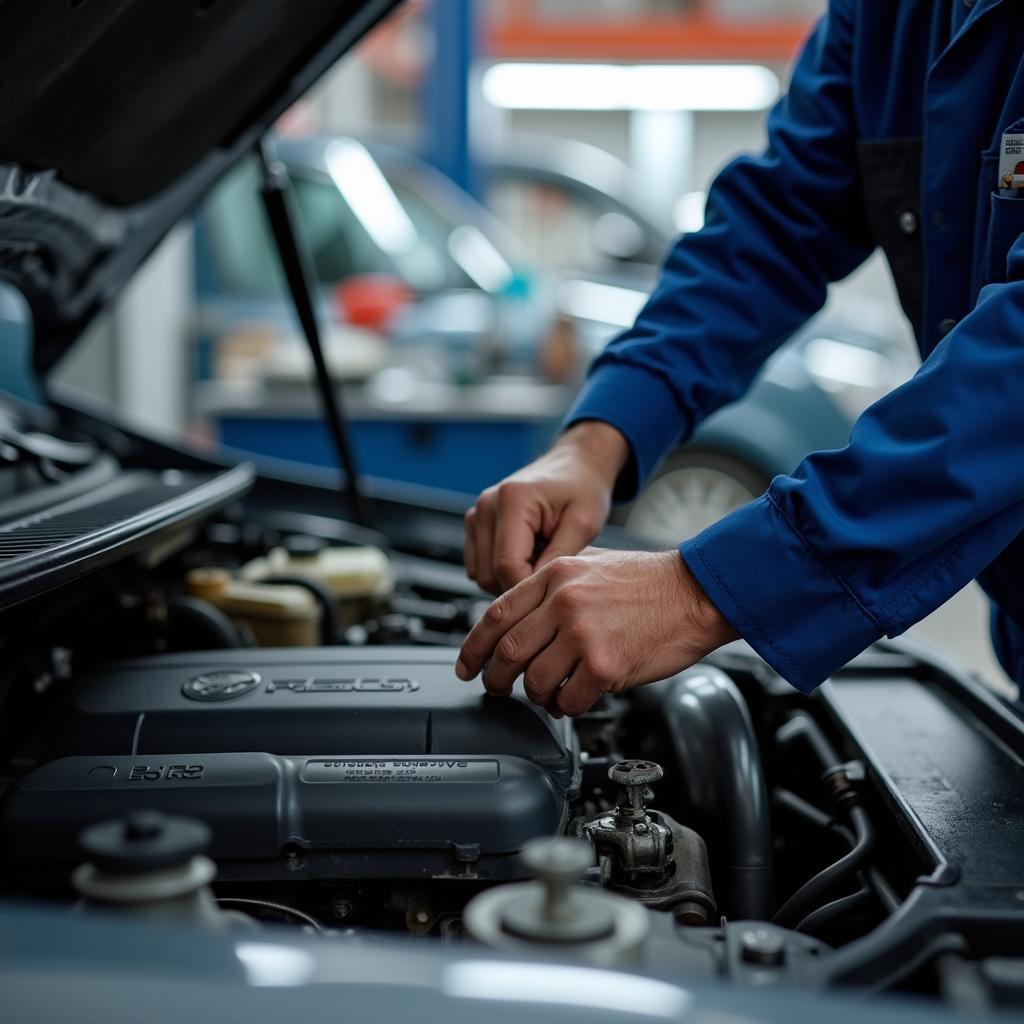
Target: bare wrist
702	611
600	444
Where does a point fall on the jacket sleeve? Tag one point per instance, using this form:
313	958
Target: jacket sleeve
778	229
865	541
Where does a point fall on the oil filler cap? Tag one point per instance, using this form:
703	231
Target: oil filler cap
555	912
144	841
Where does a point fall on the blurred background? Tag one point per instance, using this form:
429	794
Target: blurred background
487	190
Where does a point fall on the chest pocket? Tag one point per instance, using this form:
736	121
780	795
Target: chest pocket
890	172
1000	223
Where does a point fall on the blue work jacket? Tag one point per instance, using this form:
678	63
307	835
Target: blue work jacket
889	136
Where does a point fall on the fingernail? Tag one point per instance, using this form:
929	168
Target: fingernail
462	671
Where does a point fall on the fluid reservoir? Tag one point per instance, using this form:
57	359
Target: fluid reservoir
361	578
277	615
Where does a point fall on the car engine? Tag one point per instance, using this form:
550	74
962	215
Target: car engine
254	723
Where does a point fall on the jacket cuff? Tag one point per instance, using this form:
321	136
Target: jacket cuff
642	408
779	594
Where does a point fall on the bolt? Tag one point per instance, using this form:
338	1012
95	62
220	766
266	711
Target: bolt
763	946
691	913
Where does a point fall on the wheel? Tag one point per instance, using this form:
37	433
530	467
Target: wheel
693	490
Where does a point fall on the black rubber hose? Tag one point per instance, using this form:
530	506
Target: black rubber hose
824	916
719	766
787	800
811	894
801	726
883	890
195	614
330	630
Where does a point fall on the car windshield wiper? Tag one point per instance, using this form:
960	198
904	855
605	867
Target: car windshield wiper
297	264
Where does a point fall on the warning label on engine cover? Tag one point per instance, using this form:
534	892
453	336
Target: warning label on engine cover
392	770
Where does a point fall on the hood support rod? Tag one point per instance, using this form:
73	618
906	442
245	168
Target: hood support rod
297	264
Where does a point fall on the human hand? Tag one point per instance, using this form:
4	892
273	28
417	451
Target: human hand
563	497
599	623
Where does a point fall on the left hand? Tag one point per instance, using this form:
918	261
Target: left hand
602	622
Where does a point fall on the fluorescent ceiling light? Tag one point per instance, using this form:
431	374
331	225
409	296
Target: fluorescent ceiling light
630	86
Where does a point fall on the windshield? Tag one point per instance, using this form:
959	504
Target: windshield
358	220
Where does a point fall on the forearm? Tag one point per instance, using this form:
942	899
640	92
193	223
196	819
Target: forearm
865	541
779	228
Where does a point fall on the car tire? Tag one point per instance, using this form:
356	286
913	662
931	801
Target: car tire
692	490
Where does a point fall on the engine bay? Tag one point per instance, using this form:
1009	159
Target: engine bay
246	728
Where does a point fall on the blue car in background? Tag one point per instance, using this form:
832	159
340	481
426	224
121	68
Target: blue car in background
463	353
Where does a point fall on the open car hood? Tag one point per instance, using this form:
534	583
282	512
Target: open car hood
118	116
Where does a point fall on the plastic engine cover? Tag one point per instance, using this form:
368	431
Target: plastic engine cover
305	763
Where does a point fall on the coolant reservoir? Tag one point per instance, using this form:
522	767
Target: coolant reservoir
361	578
277	615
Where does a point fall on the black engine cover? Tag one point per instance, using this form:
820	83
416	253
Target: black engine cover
305	763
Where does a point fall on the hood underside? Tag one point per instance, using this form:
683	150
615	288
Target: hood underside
118	115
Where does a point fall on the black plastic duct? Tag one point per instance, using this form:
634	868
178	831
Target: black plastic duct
719	767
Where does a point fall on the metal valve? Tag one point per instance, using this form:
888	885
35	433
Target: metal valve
648	855
635	777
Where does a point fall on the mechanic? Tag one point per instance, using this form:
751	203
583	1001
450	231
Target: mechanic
896	131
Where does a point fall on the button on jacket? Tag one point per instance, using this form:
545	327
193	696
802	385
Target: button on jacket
889	136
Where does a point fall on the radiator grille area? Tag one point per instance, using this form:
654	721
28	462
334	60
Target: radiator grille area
91	514
71	537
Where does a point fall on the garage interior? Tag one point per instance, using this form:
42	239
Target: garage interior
428	81
314	323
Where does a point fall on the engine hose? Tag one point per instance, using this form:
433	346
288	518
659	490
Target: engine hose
719	767
883	890
811	893
330	630
787	800
801	726
203	617
823	916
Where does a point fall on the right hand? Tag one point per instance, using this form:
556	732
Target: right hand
563	498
